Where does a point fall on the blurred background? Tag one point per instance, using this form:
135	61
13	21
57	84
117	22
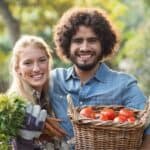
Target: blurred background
38	17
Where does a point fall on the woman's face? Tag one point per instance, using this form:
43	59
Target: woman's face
33	66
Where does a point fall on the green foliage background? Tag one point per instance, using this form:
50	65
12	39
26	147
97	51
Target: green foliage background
39	18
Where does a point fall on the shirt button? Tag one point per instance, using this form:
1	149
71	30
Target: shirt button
81	103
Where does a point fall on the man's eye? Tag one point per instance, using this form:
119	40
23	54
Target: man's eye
92	40
77	40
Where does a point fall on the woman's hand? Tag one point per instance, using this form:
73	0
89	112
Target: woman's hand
52	128
34	121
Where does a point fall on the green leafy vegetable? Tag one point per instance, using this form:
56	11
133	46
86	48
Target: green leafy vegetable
12	111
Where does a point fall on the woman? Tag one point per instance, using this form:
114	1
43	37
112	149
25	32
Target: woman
30	66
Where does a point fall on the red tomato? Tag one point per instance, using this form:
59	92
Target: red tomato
131	119
120	119
93	116
109	112
97	115
126	112
87	112
103	117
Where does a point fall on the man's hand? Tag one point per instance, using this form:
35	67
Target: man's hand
34	122
146	143
52	128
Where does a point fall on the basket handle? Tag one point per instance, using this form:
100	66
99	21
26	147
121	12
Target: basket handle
71	108
146	115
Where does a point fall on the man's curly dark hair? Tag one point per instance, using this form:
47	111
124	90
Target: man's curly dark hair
89	17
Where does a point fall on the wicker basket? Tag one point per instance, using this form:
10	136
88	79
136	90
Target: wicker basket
98	135
107	135
103	138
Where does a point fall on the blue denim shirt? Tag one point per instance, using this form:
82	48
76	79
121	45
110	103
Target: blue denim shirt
106	87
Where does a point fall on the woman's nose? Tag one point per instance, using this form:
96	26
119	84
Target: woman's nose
36	67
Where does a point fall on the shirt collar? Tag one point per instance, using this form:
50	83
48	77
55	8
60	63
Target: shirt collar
70	73
101	74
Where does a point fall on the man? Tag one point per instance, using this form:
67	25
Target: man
86	37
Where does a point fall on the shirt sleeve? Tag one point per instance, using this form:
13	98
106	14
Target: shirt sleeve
147	130
132	95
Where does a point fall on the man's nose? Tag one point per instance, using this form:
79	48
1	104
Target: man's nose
84	45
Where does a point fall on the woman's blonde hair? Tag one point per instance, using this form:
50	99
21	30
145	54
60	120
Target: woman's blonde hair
18	85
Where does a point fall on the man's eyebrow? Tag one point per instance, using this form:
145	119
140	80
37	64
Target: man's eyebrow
77	38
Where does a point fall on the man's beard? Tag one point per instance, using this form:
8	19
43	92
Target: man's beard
85	66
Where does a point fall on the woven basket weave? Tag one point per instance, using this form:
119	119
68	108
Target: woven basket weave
106	138
91	134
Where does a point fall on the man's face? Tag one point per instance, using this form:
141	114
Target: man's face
85	49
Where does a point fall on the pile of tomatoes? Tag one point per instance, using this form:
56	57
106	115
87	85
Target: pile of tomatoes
105	114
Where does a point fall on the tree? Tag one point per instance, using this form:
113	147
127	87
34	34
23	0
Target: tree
135	55
11	22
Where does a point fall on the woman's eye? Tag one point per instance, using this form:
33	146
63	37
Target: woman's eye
43	60
27	63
